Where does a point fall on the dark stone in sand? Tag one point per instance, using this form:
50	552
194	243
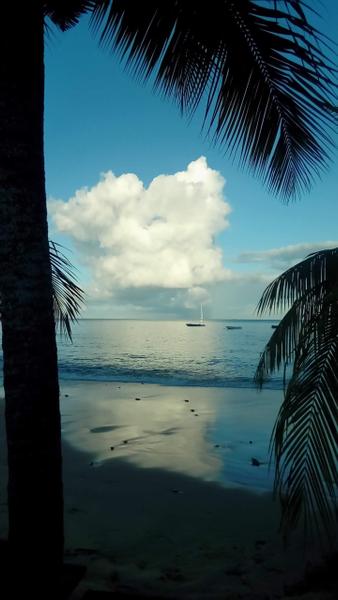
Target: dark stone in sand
192	410
85	551
112	447
74	510
104	428
99	595
137	398
125	441
216	446
196	415
173	574
186	400
236	570
258	559
250	442
66	395
255	462
169	431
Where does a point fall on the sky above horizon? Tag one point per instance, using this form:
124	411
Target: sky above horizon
156	219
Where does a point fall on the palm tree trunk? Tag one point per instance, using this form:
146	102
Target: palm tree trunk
35	498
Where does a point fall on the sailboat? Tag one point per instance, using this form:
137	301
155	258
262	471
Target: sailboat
200	324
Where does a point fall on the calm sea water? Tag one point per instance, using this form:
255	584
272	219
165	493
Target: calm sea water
166	352
162	430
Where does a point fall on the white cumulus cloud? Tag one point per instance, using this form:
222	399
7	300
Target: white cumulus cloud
161	236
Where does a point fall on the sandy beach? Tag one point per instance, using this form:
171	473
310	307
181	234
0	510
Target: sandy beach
161	497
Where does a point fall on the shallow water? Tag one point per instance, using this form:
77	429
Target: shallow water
166	352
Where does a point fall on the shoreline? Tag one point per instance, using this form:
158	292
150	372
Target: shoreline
154	515
228	385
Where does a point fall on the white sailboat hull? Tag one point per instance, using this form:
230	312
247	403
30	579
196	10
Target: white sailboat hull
200	324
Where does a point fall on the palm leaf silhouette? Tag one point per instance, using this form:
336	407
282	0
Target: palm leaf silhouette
67	295
304	441
261	68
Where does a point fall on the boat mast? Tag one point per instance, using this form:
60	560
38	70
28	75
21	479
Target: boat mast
201	319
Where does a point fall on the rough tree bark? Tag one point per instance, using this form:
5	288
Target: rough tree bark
35	496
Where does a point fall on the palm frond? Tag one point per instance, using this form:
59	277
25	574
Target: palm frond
66	13
304	441
314	274
68	297
304	288
305	437
260	65
280	349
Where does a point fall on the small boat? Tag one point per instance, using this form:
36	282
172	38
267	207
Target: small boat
200	324
233	327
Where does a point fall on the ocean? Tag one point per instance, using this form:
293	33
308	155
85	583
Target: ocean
166	352
205	372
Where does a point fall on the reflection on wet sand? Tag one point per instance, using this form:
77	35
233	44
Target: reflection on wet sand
211	433
160	531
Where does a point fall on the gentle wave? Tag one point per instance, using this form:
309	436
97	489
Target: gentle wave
168	378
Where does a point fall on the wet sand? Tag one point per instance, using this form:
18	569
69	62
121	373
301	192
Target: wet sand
160	501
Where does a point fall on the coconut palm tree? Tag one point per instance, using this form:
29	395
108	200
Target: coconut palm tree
267	86
67	298
305	436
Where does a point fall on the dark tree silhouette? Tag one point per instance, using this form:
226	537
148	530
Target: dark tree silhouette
267	88
305	437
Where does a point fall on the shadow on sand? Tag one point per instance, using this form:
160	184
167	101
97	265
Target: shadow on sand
160	533
156	533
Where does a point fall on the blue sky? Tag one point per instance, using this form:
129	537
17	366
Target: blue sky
99	119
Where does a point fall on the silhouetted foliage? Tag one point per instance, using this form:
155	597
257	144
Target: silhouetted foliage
305	436
67	295
262	69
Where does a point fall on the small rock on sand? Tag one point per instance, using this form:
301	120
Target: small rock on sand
173	574
236	570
